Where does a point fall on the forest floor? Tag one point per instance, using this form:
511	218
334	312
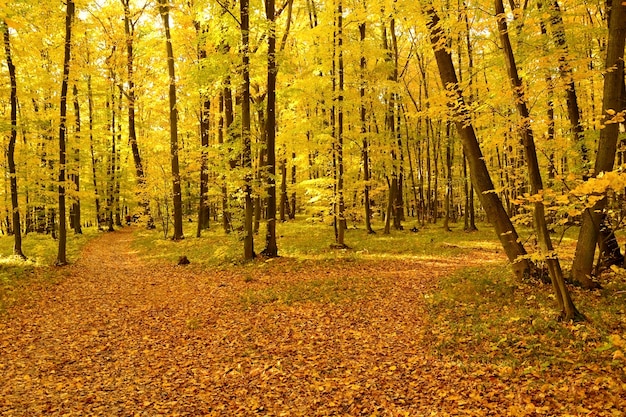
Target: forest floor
115	334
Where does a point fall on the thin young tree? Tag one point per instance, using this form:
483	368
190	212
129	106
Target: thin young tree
131	96
363	120
67	57
164	10
205	112
341	216
248	229
17	228
271	247
75	176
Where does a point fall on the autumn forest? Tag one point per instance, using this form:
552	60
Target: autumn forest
260	122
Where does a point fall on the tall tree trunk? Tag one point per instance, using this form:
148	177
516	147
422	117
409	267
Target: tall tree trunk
129	30
271	248
205	111
62	248
292	211
448	195
566	305
573	109
248	230
284	202
173	111
226	108
605	156
92	153
339	140
365	141
75	210
504	229
17	229
112	164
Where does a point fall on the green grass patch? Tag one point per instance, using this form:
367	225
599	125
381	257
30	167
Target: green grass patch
41	250
306	240
483	315
330	290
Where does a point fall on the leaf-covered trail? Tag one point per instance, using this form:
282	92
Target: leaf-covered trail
117	336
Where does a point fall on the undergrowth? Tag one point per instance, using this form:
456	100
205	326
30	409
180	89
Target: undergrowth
484	315
41	251
304	240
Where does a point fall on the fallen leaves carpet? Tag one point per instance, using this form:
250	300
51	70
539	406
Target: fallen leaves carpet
118	336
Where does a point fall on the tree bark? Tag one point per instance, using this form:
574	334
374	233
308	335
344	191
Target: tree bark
340	167
129	30
92	152
173	112
17	228
205	111
75	210
365	141
248	237
62	248
573	109
605	156
271	247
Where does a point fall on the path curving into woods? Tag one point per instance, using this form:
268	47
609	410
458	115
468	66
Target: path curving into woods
117	336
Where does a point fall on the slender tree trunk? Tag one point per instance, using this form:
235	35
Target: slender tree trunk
340	168
448	195
365	141
118	165
605	157
248	238
271	248
226	107
112	165
566	305
17	229
284	208
69	18
205	111
129	30
173	111
203	209
93	156
573	109
75	217
292	211
504	229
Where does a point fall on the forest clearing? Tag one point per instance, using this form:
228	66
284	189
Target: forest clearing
378	330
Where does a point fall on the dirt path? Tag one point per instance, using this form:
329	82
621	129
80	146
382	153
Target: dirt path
118	337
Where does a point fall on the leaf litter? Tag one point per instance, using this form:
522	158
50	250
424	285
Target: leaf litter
120	336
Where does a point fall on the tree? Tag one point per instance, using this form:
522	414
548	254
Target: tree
205	112
129	30
75	175
17	228
365	141
173	113
566	305
248	230
612	107
271	248
341	216
481	179
69	18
